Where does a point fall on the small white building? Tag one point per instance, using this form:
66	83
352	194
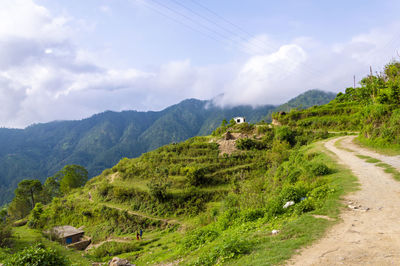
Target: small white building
239	119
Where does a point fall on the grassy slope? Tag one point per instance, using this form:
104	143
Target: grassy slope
117	214
383	149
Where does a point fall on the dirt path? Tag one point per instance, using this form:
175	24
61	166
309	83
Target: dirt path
165	221
120	240
365	237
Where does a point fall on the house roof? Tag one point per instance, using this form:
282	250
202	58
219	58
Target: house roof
66	230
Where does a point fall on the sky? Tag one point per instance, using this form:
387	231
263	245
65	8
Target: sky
70	59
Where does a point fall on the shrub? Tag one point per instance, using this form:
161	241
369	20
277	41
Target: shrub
158	189
290	193
252	215
231	201
319	169
104	189
195	176
35	219
284	133
306	205
198	237
230	248
5	236
274	207
37	255
319	194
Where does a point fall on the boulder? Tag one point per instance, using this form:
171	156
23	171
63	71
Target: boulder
119	262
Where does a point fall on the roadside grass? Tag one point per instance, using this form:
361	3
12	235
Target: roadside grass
338	144
377	146
390	170
386	167
368	159
25	237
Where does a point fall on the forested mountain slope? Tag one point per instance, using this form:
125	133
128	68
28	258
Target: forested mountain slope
100	141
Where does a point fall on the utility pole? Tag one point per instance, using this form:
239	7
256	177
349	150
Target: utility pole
370	82
354	81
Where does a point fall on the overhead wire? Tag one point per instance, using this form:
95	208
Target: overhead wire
249	35
286	71
147	5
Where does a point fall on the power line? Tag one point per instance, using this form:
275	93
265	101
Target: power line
146	4
285	71
310	69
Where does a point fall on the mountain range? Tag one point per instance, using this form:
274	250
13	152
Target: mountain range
100	141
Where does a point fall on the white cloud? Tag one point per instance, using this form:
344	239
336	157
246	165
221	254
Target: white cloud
259	81
274	77
44	76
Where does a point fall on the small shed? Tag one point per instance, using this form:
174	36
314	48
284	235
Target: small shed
239	119
68	234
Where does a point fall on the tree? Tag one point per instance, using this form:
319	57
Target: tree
51	188
29	190
71	176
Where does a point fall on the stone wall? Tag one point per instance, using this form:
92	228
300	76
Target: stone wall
81	245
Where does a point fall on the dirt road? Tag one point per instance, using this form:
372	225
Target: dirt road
370	234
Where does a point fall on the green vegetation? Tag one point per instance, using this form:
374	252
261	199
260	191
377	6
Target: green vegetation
24	238
212	199
200	207
37	255
373	109
71	176
306	100
30	193
387	167
100	141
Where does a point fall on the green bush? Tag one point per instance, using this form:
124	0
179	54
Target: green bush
195	176
252	215
37	255
5	236
319	169
199	237
230	248
285	133
319	194
304	206
290	193
35	220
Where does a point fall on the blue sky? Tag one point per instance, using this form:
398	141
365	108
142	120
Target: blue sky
69	59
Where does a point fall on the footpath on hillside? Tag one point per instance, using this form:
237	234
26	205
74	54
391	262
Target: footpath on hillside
370	231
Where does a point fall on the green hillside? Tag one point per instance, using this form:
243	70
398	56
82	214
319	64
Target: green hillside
199	205
373	109
307	99
100	141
